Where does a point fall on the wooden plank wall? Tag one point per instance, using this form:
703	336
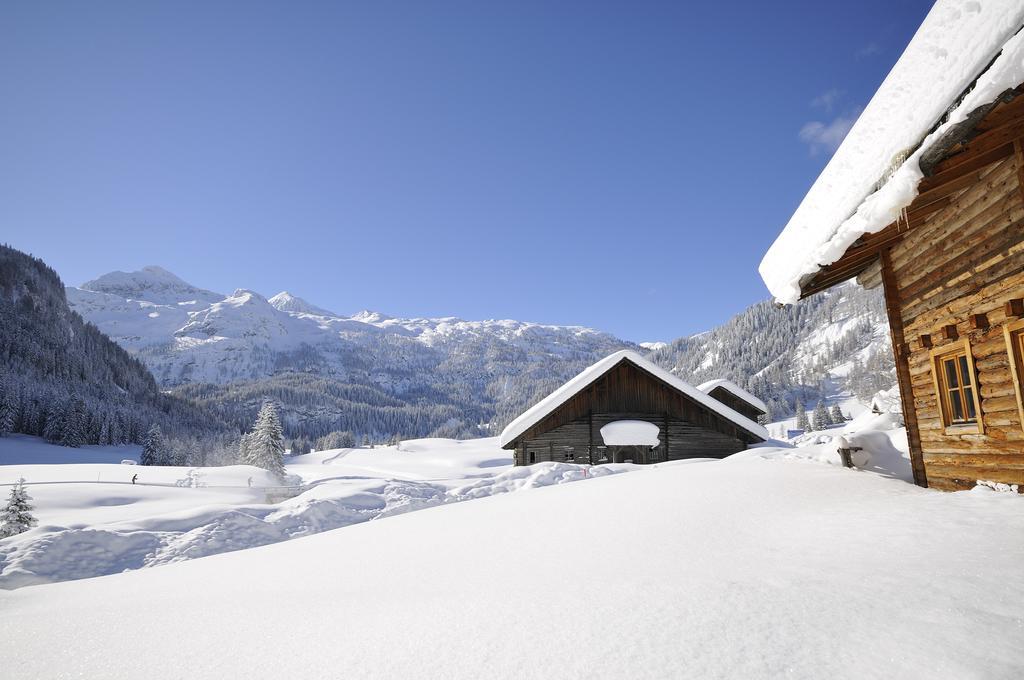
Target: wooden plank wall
685	440
736	403
967	259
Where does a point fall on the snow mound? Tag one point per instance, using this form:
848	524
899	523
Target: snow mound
53	553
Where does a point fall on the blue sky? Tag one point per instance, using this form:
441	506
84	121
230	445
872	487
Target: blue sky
622	165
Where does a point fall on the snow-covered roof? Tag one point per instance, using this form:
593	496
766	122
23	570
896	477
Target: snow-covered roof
548	404
867	183
735	389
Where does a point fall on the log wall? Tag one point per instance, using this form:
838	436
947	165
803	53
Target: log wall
580	441
966	259
736	403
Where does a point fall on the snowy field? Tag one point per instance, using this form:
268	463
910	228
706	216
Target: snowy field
773	562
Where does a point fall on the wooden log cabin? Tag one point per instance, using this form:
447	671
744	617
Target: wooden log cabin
942	233
625	408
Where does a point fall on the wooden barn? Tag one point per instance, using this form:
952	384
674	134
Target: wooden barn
925	198
625	408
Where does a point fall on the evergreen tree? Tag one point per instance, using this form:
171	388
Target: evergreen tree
16	517
837	415
266	441
243	449
801	417
8	406
53	426
821	419
802	422
154	448
75	432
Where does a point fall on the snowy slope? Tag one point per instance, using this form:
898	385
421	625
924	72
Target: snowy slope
94	521
747	568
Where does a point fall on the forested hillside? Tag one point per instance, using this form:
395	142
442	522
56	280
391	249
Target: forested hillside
63	379
834	342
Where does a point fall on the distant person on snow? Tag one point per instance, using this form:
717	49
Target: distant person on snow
134	477
250	482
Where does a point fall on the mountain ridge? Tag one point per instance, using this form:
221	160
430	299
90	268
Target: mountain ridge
446	375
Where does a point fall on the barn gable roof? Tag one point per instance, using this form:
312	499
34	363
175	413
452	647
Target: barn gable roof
548	404
736	390
965	55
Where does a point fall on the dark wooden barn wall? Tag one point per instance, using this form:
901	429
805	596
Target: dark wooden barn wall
735	403
571	442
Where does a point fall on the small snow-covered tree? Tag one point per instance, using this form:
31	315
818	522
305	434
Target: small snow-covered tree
16	517
801	417
820	419
265	444
837	415
154	447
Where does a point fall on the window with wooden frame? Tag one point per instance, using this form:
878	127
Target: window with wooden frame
957	388
1014	334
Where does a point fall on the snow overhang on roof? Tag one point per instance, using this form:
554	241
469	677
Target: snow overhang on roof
868	183
548	404
736	390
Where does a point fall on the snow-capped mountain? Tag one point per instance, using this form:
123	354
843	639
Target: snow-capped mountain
378	374
188	336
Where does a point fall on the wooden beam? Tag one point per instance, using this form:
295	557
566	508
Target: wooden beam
925	341
976	162
892	309
1014	308
948	332
1018	153
978	322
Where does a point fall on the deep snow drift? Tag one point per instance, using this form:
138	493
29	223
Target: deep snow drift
742	568
94	521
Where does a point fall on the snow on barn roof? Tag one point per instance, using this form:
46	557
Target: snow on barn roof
548	404
867	183
735	389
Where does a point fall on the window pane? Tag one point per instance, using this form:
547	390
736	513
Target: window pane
957	404
964	372
951	380
969	398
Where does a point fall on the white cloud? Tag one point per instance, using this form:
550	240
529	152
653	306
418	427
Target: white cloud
820	136
827	100
869	50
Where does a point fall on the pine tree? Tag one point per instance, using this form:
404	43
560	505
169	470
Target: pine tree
266	441
8	406
154	448
16	517
53	427
801	417
837	415
76	424
821	419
